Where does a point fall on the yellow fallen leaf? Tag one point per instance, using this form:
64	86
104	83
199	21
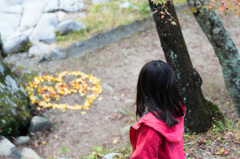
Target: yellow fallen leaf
56	136
36	144
220	152
111	93
115	141
100	98
83	112
44	143
122	95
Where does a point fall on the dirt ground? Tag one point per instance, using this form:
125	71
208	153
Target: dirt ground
118	66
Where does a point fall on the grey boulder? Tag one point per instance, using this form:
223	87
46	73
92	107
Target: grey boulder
21	140
9	23
15	43
58	54
52	6
8	150
69	26
32	13
29	153
38	49
39	124
70	5
45	29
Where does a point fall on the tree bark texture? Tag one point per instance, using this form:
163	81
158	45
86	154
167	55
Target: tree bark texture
14	114
198	117
224	48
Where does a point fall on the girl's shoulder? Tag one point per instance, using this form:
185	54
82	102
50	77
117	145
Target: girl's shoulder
172	134
148	119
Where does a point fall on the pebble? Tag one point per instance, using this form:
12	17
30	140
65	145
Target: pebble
107	87
111	155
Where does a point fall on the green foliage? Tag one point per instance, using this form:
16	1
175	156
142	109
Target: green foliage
216	113
219	126
144	8
14	111
64	150
26	47
98	153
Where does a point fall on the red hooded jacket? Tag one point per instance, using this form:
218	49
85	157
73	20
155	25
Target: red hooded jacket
151	138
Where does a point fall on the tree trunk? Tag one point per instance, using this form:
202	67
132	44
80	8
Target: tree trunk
198	117
224	47
14	115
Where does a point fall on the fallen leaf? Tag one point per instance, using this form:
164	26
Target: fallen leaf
36	144
115	141
220	152
83	112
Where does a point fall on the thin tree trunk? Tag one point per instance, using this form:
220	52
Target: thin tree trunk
224	47
198	118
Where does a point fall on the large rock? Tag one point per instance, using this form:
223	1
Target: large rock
32	11
38	49
29	153
14	115
8	150
58	54
39	124
15	43
95	2
45	29
61	15
52	6
11	8
69	26
71	5
9	23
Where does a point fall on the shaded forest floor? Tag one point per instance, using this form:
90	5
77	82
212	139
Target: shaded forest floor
118	66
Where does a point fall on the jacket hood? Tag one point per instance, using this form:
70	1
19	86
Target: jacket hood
171	134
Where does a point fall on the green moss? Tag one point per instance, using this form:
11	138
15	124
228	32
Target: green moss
14	120
14	112
215	112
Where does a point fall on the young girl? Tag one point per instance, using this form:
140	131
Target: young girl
159	132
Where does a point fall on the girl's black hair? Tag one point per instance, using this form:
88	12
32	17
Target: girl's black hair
157	92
